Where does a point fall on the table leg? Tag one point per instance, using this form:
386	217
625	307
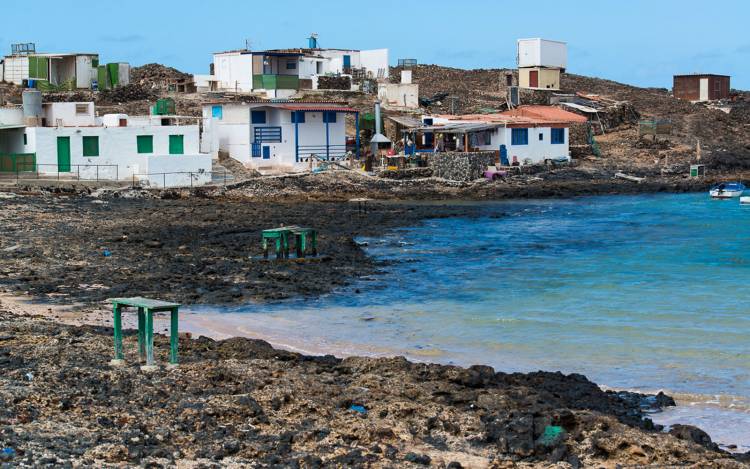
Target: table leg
278	248
285	240
265	248
117	323
173	336
299	244
314	243
141	334
149	337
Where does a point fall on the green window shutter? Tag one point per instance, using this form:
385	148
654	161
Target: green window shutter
145	143
176	145
91	146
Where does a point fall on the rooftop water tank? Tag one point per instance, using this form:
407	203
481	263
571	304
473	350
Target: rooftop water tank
32	107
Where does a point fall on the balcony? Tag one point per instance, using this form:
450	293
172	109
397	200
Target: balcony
275	82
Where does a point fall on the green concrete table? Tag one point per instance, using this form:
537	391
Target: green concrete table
301	238
281	237
146	309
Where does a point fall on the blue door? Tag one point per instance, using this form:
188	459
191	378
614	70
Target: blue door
347	61
504	156
266	152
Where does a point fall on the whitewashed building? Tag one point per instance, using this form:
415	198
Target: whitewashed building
541	63
526	135
70	140
282	73
281	135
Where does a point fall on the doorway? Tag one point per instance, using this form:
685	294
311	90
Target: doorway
63	154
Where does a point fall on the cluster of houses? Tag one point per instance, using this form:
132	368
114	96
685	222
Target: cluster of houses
264	125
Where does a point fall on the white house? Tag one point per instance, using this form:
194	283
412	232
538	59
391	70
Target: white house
158	151
540	63
277	134
526	135
281	73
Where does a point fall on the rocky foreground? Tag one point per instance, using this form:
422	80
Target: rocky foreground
241	403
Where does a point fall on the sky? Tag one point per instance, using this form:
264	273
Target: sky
638	42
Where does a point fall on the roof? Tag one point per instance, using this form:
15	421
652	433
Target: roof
697	75
580	107
546	114
314	107
406	121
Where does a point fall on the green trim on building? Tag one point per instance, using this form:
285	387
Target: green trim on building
90	146
176	144
145	143
275	82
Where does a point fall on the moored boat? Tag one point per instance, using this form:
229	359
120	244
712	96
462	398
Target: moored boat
727	190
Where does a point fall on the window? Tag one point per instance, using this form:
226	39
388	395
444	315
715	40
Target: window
541	136
329	116
258	117
519	137
82	109
91	146
25	139
217	112
291	65
558	136
298	117
176	144
145	143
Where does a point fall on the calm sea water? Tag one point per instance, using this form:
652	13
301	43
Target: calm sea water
640	292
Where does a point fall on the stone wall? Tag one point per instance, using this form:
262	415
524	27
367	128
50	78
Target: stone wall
457	166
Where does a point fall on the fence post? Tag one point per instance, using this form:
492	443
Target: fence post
16	174
97	173
78	172
164	183
117	172
133	180
191	179
225	177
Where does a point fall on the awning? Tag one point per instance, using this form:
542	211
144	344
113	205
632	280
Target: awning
580	107
405	121
456	128
314	108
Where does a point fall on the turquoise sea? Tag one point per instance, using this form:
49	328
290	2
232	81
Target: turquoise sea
643	292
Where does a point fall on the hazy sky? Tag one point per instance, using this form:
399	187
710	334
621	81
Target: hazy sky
632	41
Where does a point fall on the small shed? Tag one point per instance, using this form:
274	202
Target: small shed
701	87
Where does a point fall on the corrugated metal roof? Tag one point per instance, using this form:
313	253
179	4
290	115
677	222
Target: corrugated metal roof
580	107
406	121
314	107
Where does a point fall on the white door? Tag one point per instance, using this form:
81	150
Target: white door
704	89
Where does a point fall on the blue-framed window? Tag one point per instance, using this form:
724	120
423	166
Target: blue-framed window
217	112
256	150
558	136
298	117
329	116
519	137
291	65
541	136
258	117
267	134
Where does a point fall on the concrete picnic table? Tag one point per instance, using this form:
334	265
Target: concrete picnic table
146	309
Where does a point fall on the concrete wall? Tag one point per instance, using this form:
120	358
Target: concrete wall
549	78
66	114
84	71
11	116
117	146
187	170
399	95
234	70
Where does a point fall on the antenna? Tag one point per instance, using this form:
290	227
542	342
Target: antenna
248	44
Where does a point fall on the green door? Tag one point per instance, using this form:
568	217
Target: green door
176	145
63	154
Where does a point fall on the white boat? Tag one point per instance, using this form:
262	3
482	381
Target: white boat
727	190
745	200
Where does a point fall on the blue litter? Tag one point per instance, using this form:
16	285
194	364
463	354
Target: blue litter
7	454
107	253
358	408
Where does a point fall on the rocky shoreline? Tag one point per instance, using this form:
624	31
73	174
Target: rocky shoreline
242	403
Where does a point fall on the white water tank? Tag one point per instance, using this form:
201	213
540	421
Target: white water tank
32	107
539	52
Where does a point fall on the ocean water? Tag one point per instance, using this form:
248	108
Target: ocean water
646	292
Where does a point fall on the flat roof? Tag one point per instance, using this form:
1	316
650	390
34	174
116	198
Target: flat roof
701	75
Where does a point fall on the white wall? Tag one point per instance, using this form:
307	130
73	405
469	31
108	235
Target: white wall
399	95
117	146
11	116
84	70
541	53
11	141
234	134
537	150
187	170
234	70
66	112
375	59
16	69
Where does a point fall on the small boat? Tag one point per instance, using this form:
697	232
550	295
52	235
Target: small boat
745	200
727	190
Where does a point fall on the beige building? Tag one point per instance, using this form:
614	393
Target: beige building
539	78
